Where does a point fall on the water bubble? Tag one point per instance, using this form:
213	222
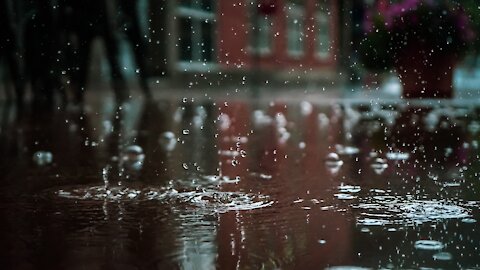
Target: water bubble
167	141
302	145
442	256
379	165
185	166
306	108
428	245
333	160
133	157
185	132
42	158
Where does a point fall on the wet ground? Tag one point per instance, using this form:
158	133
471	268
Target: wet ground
241	184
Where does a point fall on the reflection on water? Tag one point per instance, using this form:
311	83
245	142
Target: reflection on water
234	184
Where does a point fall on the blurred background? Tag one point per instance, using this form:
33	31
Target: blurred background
54	50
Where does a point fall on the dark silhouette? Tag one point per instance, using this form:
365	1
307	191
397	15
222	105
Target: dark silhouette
132	26
9	47
40	48
89	19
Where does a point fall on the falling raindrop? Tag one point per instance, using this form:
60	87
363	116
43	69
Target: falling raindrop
42	158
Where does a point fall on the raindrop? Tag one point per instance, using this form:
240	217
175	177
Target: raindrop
322	241
185	166
186	132
167	141
428	245
42	158
306	108
133	157
379	165
333	160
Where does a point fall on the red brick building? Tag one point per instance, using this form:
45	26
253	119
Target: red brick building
290	38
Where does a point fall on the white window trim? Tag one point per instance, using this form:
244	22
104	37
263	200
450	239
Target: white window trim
252	46
297	12
196	15
320	16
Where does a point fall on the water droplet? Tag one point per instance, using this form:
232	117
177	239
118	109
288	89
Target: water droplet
42	158
186	132
133	157
185	166
322	241
167	141
333	160
302	145
379	165
428	245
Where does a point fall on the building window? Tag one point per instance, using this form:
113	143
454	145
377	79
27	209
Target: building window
196	31
295	28
261	33
323	40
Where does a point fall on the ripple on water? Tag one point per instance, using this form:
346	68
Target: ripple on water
346	267
349	188
428	245
408	211
442	256
208	197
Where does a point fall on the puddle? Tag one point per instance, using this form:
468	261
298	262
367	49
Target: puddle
201	193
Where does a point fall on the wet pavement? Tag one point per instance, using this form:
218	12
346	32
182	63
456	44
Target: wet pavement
232	183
